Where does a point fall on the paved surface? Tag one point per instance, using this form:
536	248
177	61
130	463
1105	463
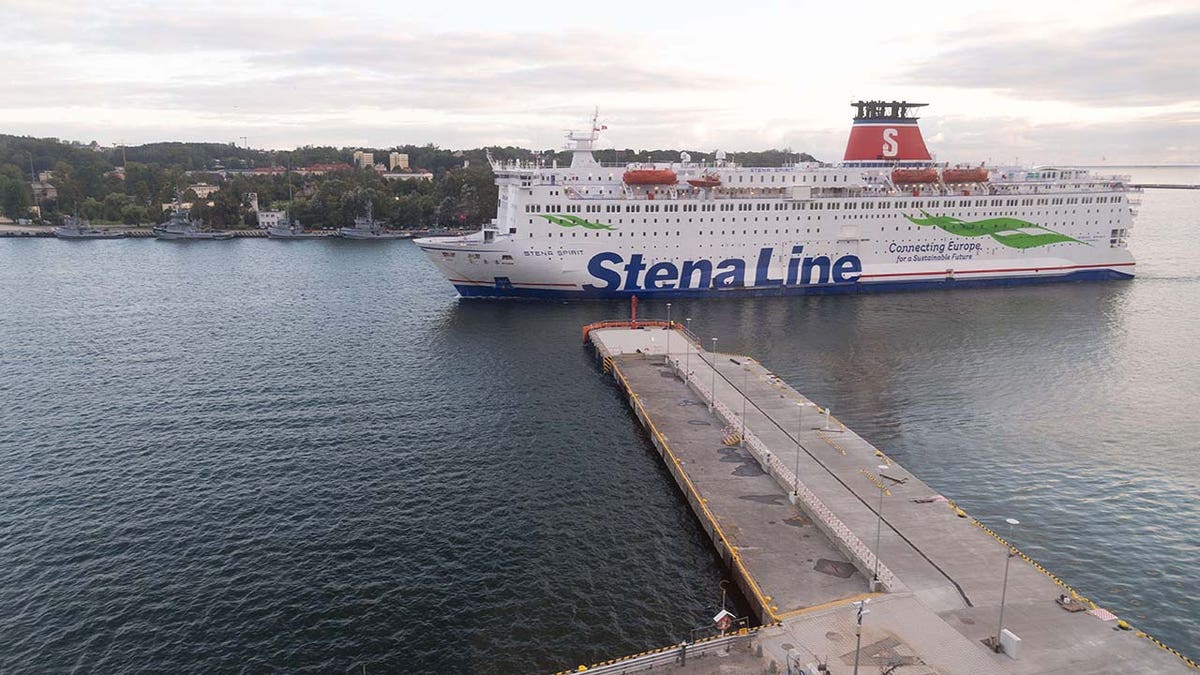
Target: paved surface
950	569
790	559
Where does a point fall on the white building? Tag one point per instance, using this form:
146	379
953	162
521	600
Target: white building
364	160
203	190
398	161
272	219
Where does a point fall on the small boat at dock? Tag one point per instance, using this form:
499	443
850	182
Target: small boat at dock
291	229
74	227
180	227
369	228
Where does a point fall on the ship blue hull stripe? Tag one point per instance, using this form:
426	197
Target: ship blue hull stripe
473	291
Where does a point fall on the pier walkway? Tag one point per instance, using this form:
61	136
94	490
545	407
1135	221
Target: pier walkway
803	550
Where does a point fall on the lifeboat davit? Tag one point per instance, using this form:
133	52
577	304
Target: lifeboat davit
976	175
914	176
650	177
708	180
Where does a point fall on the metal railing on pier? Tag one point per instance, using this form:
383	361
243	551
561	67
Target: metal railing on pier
667	656
787	479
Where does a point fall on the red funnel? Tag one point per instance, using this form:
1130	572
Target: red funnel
885	131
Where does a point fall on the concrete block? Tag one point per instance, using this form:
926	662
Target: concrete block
1009	643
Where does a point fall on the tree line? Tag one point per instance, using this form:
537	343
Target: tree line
462	192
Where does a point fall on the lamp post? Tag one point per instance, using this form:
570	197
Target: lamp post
862	609
878	528
745	376
712	402
669	331
1012	522
687	355
799	426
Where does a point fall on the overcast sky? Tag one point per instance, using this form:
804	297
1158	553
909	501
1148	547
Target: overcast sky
1106	81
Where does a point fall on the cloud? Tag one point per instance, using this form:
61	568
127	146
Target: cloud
1149	62
258	66
468	74
1159	138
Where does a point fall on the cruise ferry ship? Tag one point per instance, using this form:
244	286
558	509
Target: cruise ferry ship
888	217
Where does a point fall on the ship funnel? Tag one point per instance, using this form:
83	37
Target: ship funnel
886	131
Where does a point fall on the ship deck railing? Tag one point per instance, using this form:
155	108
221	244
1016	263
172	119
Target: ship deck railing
933	191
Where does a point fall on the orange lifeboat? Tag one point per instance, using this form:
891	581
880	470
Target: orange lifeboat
914	176
976	175
708	180
650	177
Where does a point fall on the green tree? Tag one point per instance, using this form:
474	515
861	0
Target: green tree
13	199
69	193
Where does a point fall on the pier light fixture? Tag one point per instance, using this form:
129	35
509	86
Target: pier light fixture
1012	523
712	401
878	527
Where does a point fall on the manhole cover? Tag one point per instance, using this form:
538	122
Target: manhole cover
967	620
687	401
833	635
700	423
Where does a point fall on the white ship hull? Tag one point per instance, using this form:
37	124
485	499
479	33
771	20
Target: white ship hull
548	276
688	229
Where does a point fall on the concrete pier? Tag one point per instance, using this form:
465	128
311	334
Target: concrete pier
791	500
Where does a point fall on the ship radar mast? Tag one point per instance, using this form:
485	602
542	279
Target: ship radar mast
580	143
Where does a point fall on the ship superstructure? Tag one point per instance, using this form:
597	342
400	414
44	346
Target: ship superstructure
887	217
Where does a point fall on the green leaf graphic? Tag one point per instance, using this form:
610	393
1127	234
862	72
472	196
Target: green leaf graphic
1007	231
576	221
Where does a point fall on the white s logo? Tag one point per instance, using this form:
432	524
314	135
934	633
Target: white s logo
890	146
